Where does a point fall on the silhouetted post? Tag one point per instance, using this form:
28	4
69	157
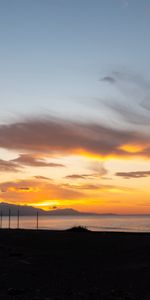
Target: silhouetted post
18	216
37	220
1	219
9	215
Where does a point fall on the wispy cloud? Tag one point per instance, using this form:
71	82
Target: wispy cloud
56	136
17	164
39	177
9	166
109	79
30	160
98	187
136	174
133	105
98	168
79	176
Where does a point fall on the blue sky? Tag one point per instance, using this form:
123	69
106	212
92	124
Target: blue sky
83	60
54	52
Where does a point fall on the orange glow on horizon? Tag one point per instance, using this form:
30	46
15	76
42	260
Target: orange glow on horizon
47	188
129	151
132	148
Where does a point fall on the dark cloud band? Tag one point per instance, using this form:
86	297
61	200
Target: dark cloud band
137	174
49	135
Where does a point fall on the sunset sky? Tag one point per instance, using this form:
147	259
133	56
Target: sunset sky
75	104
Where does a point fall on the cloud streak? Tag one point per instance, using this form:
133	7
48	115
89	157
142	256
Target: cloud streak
30	160
79	176
56	136
17	164
98	187
134	108
39	177
9	166
97	167
136	174
109	79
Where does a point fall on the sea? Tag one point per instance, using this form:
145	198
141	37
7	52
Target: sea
94	223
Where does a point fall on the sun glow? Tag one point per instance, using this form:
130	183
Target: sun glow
132	148
51	204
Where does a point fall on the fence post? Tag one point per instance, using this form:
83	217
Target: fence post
1	219
9	216
18	219
37	220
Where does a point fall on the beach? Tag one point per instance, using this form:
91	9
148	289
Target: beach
48	265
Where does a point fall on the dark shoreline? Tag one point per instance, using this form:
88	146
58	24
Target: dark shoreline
44	264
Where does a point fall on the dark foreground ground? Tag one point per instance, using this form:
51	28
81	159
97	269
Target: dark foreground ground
48	265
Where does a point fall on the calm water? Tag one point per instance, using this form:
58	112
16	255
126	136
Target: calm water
96	223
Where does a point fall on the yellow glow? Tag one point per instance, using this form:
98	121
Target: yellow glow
117	190
132	148
129	149
112	194
95	156
100	202
82	152
47	205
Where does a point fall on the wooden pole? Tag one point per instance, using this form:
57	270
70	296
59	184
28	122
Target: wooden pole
18	216
9	216
1	220
37	220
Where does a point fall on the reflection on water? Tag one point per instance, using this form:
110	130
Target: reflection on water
94	223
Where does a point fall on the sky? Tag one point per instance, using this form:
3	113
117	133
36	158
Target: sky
75	104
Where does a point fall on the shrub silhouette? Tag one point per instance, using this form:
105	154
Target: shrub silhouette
78	229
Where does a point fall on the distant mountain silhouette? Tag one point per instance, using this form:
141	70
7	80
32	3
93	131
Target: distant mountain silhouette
25	210
29	210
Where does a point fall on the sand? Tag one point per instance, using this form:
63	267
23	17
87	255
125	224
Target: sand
48	265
